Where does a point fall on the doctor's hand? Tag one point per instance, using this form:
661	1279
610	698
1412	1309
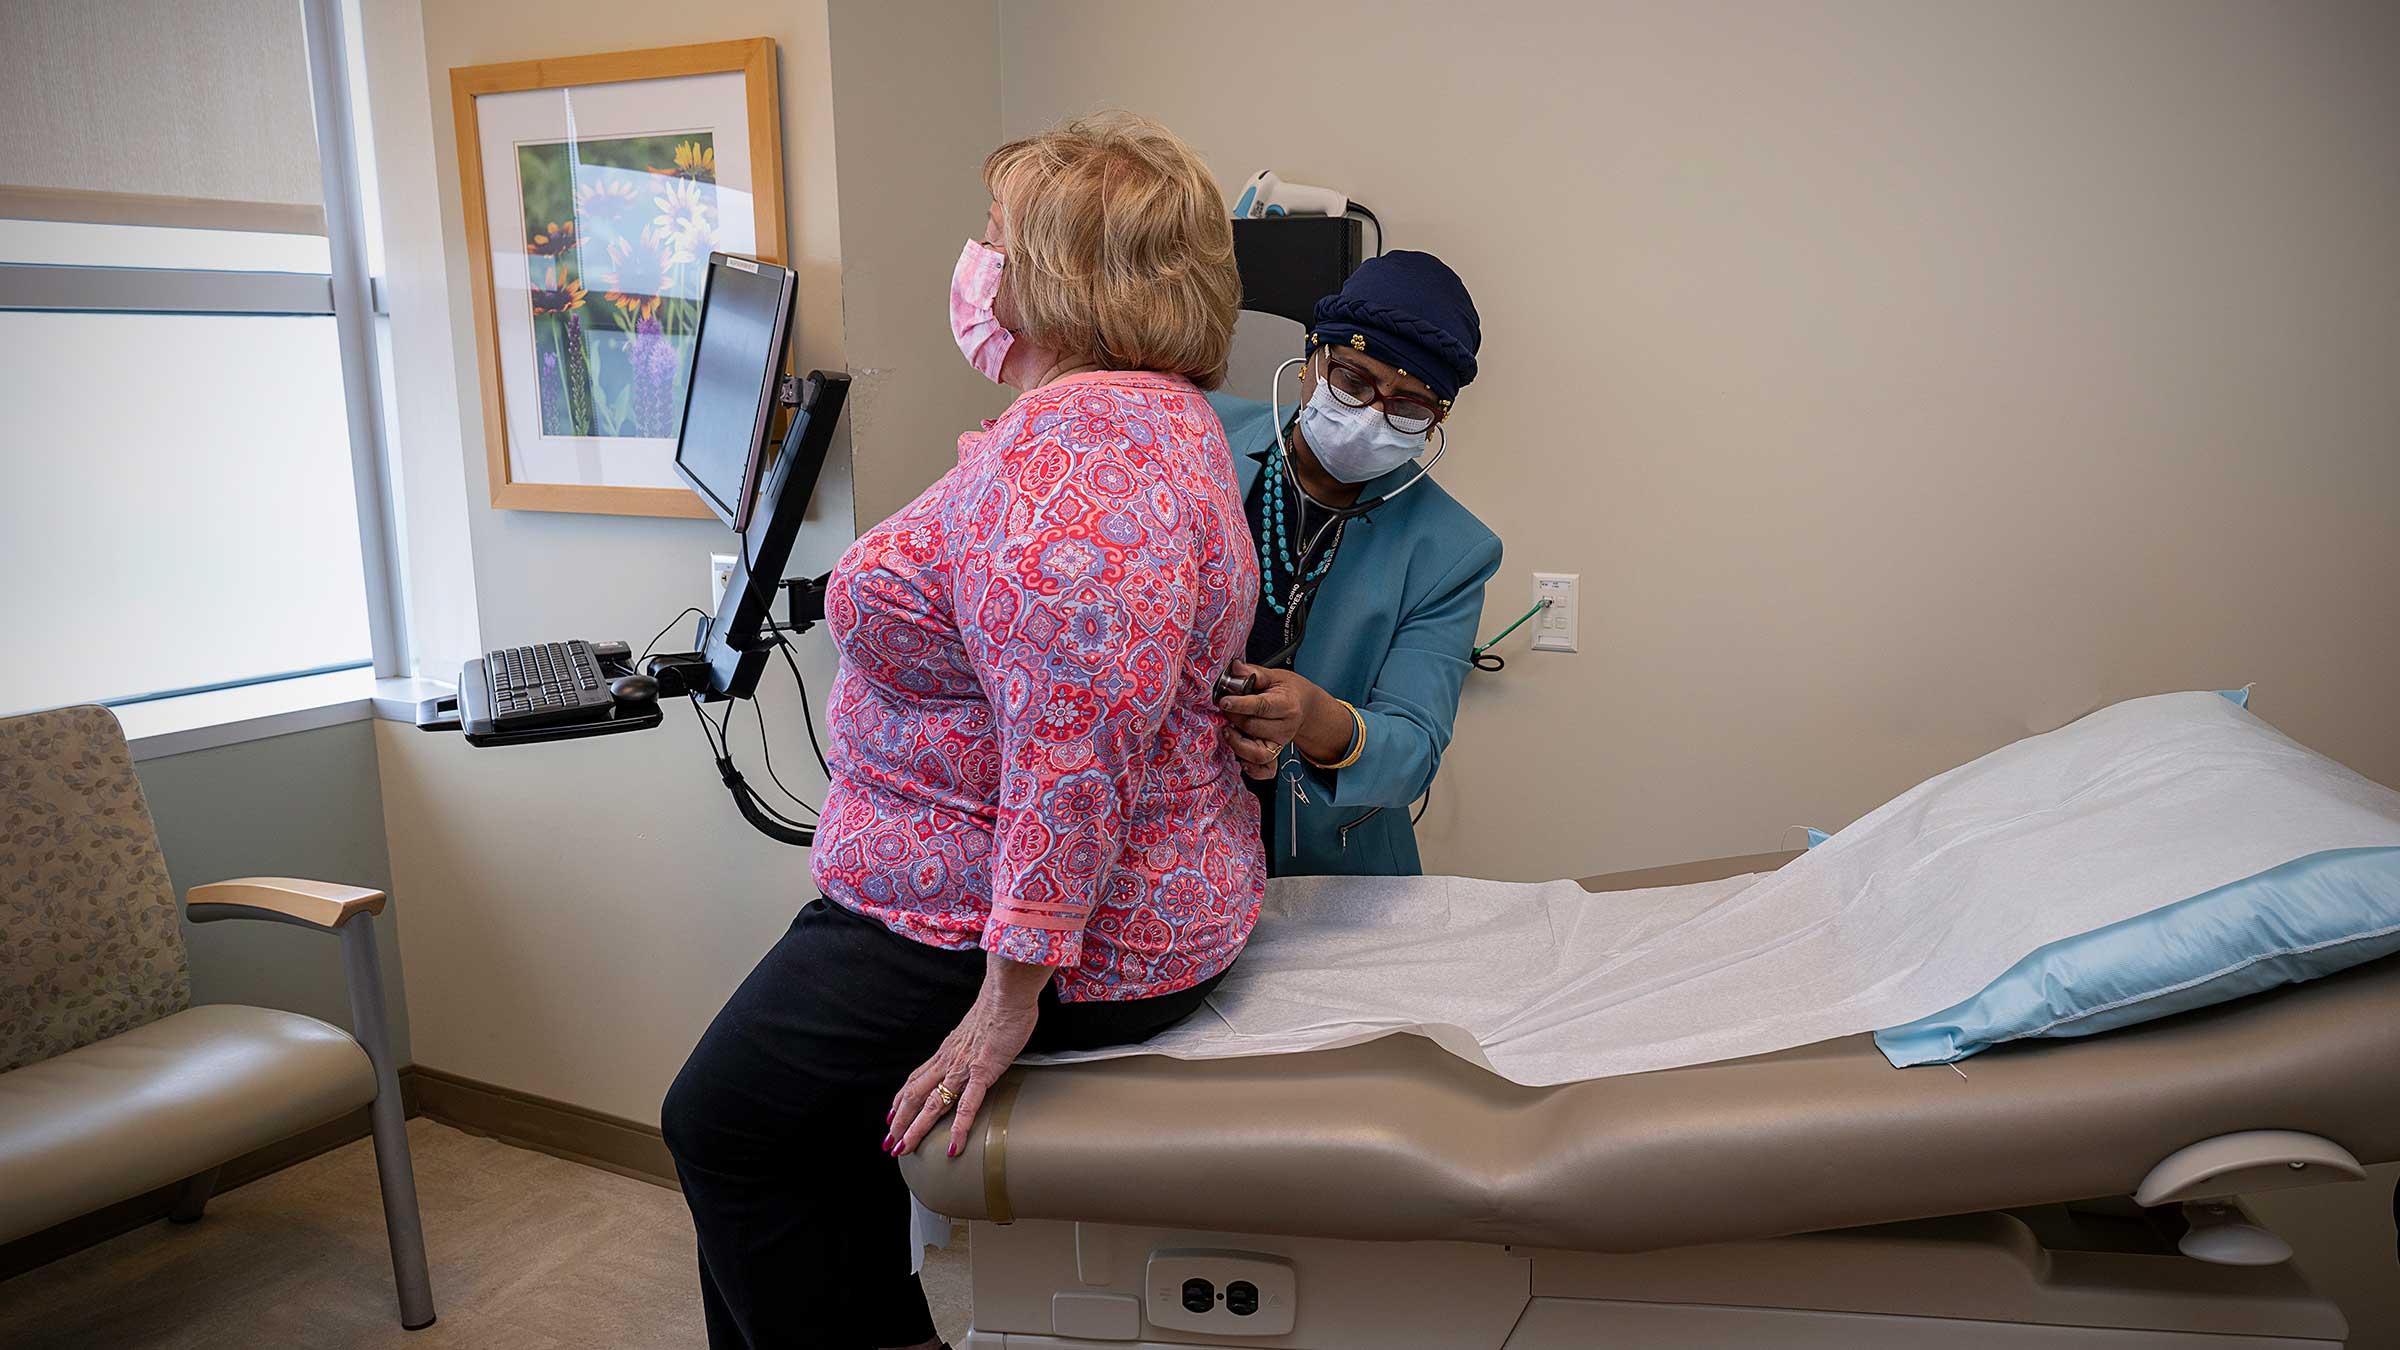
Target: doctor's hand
963	1071
1289	709
1258	757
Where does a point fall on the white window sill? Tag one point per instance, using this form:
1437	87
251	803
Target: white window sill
175	726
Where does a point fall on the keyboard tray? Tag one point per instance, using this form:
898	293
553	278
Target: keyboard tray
442	714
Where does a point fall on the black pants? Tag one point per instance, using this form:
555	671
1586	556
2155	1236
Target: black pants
776	1124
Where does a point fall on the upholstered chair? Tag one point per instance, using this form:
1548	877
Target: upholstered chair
111	1084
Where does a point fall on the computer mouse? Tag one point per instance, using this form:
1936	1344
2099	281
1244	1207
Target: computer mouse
633	689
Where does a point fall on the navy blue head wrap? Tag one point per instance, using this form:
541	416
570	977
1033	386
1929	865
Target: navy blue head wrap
1408	309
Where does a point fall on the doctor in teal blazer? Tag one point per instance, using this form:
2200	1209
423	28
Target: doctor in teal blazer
1371	575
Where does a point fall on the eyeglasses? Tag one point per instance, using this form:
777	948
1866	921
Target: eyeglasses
1408	414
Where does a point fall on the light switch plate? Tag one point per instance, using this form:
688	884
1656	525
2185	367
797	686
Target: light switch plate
1554	629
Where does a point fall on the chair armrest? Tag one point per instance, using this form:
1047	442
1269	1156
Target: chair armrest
313	904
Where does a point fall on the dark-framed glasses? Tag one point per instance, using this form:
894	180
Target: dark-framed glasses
1355	388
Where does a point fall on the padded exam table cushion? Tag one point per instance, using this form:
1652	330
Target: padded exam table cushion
1398	1140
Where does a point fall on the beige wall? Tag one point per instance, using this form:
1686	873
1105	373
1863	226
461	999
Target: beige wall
586	907
304	804
916	103
1901	378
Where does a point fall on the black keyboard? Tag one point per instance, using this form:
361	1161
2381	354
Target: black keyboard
545	684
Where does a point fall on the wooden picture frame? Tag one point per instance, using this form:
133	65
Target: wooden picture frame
574	413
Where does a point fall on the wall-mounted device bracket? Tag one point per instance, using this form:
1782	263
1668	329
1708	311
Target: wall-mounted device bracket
680	674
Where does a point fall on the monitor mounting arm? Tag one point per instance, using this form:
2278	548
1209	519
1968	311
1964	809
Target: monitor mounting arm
680	674
736	644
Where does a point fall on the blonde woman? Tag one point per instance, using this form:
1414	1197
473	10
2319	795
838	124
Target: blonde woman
1035	836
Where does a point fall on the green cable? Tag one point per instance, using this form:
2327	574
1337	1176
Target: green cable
1538	607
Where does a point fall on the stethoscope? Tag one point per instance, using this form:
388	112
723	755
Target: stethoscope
1304	593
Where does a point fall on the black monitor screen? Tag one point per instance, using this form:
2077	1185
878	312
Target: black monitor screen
730	401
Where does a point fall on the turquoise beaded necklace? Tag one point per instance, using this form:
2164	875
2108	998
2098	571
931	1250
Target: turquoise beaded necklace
1275	544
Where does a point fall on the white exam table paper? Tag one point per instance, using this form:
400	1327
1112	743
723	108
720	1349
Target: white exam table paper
1918	905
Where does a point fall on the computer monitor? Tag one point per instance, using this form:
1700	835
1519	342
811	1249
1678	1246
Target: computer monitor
737	366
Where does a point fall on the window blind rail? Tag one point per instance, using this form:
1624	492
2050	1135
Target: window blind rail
84	206
161	290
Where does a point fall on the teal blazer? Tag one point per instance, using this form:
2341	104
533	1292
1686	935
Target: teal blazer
1393	632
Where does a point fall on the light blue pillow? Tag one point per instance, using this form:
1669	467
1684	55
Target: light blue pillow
2305	919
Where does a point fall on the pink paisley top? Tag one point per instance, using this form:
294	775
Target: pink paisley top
1023	743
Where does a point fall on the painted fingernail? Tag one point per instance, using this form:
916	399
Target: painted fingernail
954	1150
888	1116
887	1143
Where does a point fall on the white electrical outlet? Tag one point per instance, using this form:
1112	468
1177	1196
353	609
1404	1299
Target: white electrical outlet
1554	628
1221	1293
720	575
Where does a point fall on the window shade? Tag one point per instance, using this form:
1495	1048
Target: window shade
163	98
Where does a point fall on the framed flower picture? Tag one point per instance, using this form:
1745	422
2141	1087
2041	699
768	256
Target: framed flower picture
595	188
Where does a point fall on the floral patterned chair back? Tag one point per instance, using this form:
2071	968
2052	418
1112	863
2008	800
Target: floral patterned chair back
89	940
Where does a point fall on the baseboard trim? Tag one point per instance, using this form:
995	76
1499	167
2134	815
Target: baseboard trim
578	1134
90	1230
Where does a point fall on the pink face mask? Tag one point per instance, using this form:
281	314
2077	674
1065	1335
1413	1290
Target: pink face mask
974	285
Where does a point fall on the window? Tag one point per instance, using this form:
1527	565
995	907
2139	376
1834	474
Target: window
191	487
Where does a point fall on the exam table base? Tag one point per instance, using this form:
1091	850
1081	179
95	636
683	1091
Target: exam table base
2038	1278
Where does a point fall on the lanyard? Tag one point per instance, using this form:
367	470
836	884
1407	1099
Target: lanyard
1305	579
1303	598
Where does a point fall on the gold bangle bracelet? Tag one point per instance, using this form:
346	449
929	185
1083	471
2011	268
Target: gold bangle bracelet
1358	739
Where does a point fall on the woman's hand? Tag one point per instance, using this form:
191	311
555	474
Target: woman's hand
972	1059
1288	709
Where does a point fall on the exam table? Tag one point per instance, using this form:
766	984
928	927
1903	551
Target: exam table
1392	1195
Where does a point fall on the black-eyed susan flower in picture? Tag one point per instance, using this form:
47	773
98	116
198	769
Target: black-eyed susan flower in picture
635	217
596	188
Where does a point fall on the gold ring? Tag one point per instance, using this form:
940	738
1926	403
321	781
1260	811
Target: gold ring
949	1098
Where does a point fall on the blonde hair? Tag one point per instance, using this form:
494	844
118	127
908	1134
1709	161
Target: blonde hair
1120	250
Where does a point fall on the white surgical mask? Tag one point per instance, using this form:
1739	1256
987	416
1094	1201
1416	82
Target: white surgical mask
1355	445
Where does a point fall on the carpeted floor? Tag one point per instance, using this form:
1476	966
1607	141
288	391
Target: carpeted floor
529	1252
